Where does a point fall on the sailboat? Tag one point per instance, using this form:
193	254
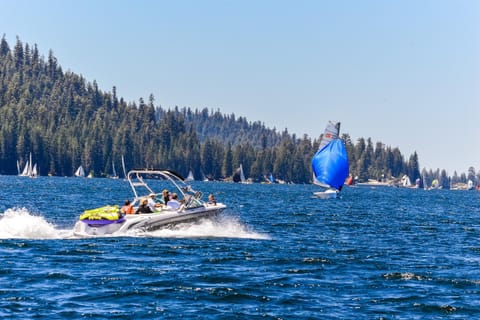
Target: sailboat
80	172
270	179
330	162
123	167
25	172
114	172
190	176
239	176
405	182
29	170
34	172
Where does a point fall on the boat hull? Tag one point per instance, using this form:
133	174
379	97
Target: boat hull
328	194
147	222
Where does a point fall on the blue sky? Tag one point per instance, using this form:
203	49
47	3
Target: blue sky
406	73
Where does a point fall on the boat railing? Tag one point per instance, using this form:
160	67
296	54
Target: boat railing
136	181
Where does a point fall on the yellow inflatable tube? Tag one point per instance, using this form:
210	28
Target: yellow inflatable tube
102	213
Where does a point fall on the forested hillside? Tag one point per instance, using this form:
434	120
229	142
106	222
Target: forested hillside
65	120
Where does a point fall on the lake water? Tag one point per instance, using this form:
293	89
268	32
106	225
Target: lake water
275	253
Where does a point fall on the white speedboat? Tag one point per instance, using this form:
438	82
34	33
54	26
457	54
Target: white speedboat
109	220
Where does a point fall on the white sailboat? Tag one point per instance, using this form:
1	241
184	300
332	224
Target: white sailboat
114	172
25	170
34	172
80	172
29	170
123	167
190	176
239	176
405	182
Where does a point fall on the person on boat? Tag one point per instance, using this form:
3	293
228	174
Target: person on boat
152	203
166	196
173	202
143	207
127	208
211	200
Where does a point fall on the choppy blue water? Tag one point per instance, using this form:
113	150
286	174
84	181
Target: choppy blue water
276	253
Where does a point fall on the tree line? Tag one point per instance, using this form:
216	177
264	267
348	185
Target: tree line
66	121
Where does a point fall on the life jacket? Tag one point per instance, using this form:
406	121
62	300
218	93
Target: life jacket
128	209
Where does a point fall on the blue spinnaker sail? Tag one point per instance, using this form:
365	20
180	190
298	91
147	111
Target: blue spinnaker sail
330	165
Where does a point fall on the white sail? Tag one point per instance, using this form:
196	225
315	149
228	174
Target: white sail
114	174
190	176
242	175
406	181
80	172
123	167
239	176
30	170
25	171
34	172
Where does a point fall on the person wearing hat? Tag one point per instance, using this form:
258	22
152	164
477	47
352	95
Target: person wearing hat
152	203
143	207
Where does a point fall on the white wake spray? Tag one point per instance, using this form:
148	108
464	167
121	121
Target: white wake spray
224	227
19	223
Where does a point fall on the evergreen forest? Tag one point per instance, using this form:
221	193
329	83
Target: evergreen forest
65	121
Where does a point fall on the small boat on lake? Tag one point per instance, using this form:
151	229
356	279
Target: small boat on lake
330	163
109	220
30	169
239	175
80	173
190	176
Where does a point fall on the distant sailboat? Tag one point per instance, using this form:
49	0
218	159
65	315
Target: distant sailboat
330	162
114	172
80	172
29	170
25	171
123	167
405	182
34	172
190	176
239	176
270	178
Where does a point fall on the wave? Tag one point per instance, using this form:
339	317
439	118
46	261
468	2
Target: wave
221	227
19	223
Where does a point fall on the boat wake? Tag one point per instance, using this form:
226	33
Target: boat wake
219	227
19	223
